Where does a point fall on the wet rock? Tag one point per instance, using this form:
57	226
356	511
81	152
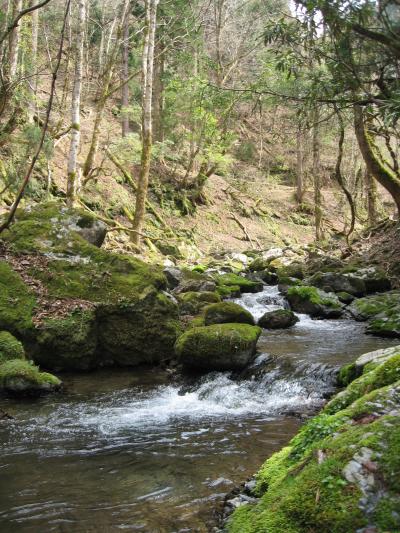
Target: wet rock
314	302
225	313
218	347
279	319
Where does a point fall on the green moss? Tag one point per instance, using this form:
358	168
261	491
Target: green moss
218	346
199	268
17	303
234	280
10	347
226	312
18	369
192	303
226	291
68	343
347	374
314	296
259	264
382	375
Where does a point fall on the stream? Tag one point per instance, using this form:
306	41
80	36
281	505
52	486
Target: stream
126	450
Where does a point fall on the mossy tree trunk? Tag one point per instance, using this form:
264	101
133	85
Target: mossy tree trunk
372	198
373	158
147	128
72	169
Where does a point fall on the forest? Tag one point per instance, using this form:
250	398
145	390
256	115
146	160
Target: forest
200	266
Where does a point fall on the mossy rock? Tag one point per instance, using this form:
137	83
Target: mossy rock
234	280
340	473
20	377
218	347
49	227
17	303
69	343
141	332
382	312
228	291
338	282
191	303
125	296
345	297
225	313
278	319
294	270
10	347
259	264
314	302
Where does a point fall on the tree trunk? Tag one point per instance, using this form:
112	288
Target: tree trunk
147	74
158	93
299	167
14	40
124	78
372	198
72	168
373	159
317	176
32	85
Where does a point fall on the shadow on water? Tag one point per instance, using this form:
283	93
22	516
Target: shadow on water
126	450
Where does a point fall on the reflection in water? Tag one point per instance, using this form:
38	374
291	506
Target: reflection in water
126	450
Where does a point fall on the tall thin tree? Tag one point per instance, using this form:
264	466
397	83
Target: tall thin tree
147	130
72	168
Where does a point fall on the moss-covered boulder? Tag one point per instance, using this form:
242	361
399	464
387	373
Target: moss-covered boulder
20	377
338	282
382	311
225	313
234	280
259	264
218	347
278	319
191	303
314	302
10	347
341	472
75	302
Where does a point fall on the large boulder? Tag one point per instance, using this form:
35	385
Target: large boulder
225	313
218	347
314	302
338	282
71	303
278	319
21	378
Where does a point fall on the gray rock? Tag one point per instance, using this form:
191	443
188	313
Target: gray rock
174	276
279	319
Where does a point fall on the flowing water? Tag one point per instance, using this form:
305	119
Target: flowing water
130	451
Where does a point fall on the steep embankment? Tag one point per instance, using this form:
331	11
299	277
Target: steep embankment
341	472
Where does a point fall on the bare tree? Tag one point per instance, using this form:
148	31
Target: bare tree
147	129
72	167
